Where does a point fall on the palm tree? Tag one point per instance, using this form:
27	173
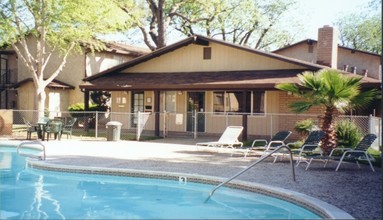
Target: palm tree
331	89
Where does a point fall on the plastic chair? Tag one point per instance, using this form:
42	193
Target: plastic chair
55	127
68	127
30	128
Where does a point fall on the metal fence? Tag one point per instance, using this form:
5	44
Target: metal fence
93	125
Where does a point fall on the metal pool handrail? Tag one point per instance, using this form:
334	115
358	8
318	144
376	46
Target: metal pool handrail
43	157
252	165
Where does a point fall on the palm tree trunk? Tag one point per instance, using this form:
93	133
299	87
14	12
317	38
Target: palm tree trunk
329	140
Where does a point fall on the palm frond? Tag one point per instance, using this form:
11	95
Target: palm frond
300	106
288	87
362	100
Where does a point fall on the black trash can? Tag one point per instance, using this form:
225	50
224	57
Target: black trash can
113	131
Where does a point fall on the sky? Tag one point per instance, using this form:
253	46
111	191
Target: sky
314	14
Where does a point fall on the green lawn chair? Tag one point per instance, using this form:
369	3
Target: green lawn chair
68	127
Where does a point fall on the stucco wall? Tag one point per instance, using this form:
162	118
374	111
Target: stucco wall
26	96
345	57
361	60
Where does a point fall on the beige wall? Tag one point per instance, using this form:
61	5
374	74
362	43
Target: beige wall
26	96
345	57
77	67
100	61
224	58
301	52
360	60
56	98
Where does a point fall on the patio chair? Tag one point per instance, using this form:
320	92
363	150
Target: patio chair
68	127
53	127
277	140
308	147
30	128
359	153
229	138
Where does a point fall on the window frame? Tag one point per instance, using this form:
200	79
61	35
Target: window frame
250	108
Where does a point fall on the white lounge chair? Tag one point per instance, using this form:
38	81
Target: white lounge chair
267	146
228	139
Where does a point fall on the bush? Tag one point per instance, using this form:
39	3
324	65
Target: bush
77	111
348	134
92	107
303	127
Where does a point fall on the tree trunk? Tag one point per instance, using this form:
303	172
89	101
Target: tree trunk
329	140
40	101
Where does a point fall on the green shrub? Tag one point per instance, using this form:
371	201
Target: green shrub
295	145
77	111
92	107
303	127
348	134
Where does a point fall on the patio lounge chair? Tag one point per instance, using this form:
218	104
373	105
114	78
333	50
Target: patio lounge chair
229	138
359	153
308	147
277	140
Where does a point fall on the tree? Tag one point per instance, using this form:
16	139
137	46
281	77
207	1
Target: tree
36	29
101	99
362	31
252	23
152	18
331	89
249	23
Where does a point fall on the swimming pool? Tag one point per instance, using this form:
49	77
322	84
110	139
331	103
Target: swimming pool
35	194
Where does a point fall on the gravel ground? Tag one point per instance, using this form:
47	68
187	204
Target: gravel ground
356	191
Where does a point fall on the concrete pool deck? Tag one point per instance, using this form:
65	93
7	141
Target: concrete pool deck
356	191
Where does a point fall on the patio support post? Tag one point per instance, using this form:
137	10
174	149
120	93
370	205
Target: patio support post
244	115
86	108
157	113
86	100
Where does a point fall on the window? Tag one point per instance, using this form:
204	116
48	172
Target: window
311	49
219	101
170	101
258	101
137	102
207	53
232	101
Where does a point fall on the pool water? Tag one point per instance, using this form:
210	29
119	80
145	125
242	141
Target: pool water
27	193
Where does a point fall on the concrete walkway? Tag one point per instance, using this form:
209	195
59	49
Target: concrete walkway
356	191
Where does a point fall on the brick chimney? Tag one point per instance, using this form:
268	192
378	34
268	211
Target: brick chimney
327	48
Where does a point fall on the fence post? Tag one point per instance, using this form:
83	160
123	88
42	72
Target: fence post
195	123
138	126
271	125
96	125
227	119
165	121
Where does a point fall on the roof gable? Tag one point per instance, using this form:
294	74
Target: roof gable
311	42
187	47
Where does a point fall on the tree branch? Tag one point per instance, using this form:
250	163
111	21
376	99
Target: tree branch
61	66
